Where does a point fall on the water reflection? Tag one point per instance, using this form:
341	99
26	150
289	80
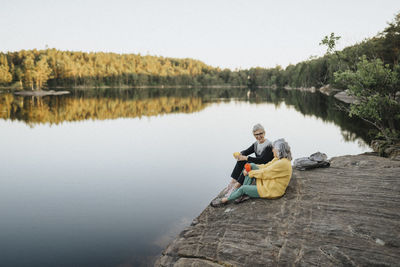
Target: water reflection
55	110
102	104
99	189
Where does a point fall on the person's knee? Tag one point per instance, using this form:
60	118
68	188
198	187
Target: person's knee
240	190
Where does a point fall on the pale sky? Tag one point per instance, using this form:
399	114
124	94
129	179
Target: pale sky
224	33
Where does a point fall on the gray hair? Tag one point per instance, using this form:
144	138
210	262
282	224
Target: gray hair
283	149
258	127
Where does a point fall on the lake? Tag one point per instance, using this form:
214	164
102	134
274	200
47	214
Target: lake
108	177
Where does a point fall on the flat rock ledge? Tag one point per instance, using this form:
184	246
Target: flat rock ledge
42	93
344	215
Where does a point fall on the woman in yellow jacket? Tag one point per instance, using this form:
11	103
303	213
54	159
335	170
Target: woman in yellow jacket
271	178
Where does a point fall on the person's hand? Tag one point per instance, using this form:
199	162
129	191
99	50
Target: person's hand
241	158
245	173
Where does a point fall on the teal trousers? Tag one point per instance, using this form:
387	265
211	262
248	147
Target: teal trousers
246	188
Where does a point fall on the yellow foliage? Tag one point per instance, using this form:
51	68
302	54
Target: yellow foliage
57	110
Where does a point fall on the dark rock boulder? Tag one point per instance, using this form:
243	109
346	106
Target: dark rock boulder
345	215
386	149
345	97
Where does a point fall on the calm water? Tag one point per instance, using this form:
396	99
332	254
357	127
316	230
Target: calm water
109	177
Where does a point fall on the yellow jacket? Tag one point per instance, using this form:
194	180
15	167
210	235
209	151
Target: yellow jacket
272	178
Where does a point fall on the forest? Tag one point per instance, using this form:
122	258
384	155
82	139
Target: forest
52	68
370	70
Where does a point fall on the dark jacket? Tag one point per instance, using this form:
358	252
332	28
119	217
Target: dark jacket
266	155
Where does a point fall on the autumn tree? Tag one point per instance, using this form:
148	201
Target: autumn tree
41	72
5	75
28	66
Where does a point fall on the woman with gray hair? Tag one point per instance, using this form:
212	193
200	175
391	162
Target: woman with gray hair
262	149
271	178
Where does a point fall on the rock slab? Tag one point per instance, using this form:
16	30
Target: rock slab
345	215
42	93
345	97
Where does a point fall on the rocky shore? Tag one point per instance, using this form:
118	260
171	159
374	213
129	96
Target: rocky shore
344	215
42	93
390	150
339	94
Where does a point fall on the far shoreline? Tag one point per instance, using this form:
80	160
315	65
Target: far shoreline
131	87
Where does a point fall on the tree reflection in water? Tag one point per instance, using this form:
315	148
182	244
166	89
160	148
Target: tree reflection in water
102	104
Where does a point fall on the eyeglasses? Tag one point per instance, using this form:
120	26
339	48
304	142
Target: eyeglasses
258	134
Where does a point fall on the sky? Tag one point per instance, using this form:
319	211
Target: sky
235	34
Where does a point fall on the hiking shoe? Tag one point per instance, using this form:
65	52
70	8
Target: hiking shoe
241	199
217	203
